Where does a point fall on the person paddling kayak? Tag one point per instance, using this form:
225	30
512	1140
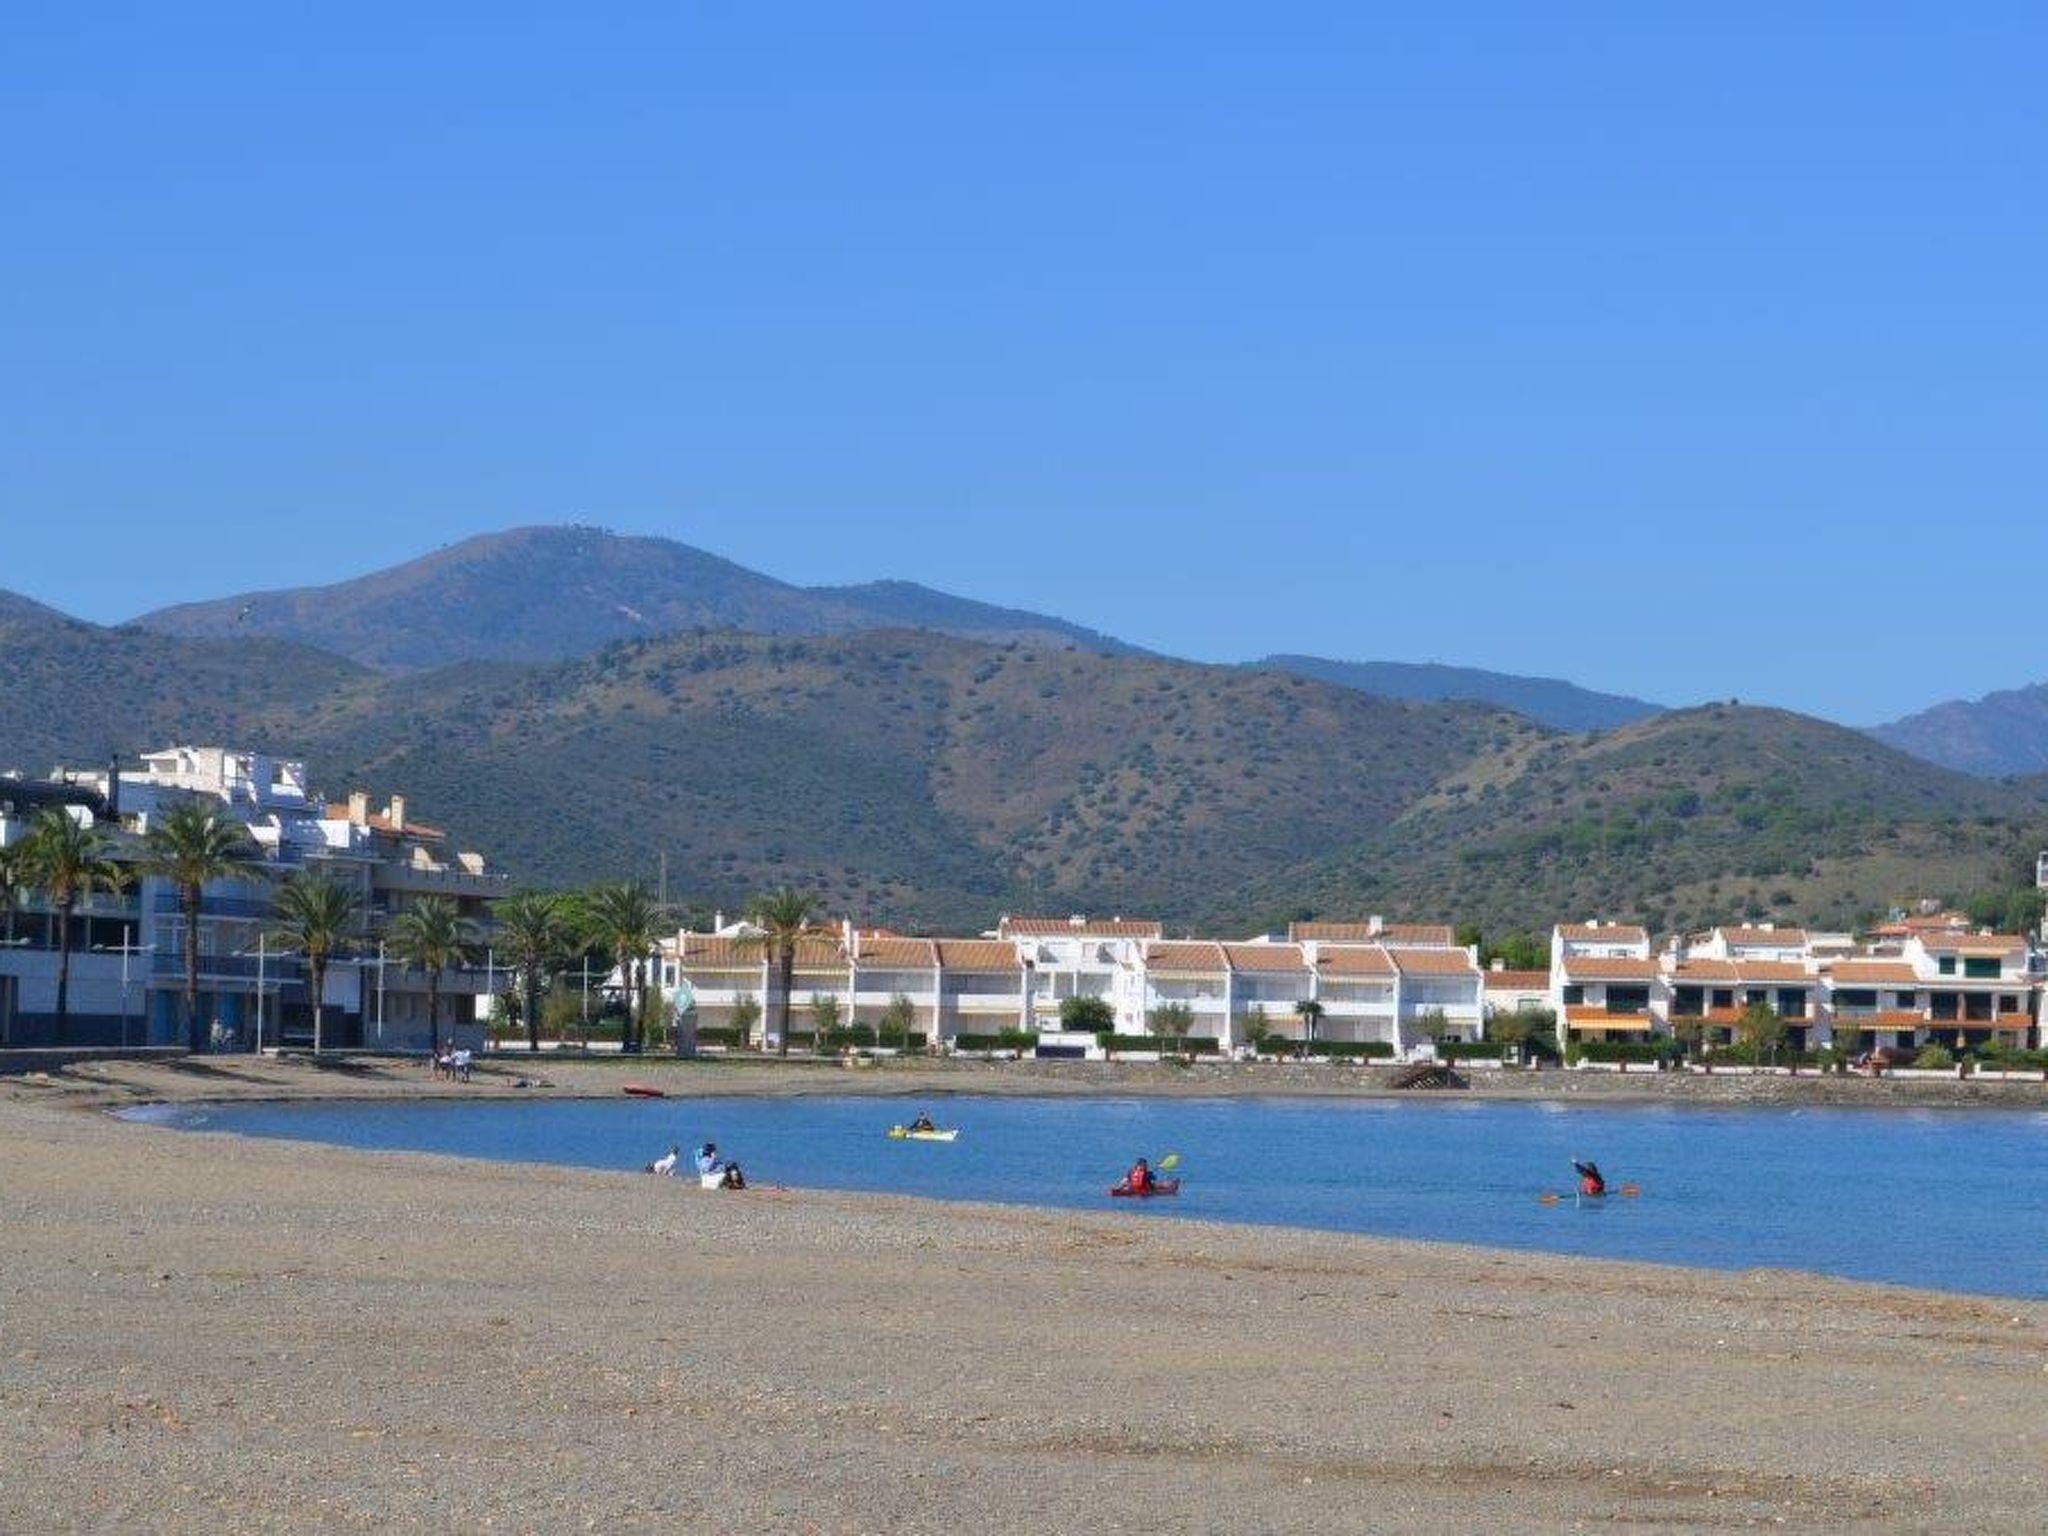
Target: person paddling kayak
1591	1184
1139	1180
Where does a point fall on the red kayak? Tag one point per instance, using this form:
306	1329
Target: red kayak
643	1091
1158	1187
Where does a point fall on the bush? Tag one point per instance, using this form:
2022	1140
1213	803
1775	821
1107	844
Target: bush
718	1035
1936	1058
1370	1050
1086	1015
1169	1044
1008	1040
1472	1050
1624	1050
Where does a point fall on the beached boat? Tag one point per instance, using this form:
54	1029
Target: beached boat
907	1133
643	1091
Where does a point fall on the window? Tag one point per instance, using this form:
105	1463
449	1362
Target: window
1724	997
1946	965
1792	1002
1981	969
1686	1002
1574	994
1856	998
2008	1004
1628	999
1909	999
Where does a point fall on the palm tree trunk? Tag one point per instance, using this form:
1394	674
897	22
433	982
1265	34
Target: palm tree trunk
63	969
318	965
785	966
434	1014
533	1010
188	899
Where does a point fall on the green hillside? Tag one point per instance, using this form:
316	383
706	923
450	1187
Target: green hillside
917	779
1688	817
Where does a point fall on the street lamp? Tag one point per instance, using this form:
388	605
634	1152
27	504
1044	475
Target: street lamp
124	949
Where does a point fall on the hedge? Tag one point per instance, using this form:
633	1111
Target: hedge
1624	1050
719	1035
1472	1050
1370	1050
1008	1040
1166	1044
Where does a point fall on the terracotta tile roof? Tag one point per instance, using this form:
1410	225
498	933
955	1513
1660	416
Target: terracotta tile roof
1736	972
978	955
1338	933
1594	968
1374	932
893	953
713	952
1972	943
1704	970
1885	973
1264	957
1517	981
1203	958
1353	960
1087	928
1433	962
1420	935
1764	938
1603	933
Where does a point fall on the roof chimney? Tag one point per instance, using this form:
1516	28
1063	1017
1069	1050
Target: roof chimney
395	812
358	807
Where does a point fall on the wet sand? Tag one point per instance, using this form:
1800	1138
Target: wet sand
200	1332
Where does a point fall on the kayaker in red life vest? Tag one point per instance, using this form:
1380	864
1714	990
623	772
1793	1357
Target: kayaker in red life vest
1139	1180
1590	1181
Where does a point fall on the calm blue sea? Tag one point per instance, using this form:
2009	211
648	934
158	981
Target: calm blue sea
1956	1201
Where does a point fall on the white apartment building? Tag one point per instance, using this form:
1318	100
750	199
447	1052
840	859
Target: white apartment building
128	967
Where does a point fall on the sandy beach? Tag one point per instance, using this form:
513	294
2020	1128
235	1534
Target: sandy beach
199	1332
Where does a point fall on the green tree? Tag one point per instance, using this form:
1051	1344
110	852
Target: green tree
433	935
1848	1036
1760	1030
784	918
824	1020
191	845
746	1017
897	1022
1310	1012
537	933
1175	1022
68	861
1087	1015
623	920
316	914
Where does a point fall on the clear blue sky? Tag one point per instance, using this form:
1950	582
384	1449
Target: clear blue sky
1690	355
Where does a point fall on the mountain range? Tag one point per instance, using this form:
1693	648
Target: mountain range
928	777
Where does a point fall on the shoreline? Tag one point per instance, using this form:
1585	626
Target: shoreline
119	1083
210	1331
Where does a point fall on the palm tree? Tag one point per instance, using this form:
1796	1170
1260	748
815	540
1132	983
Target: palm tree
191	845
785	917
433	935
623	920
68	860
535	931
316	913
1311	1013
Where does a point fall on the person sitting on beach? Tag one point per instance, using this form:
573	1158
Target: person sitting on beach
734	1179
923	1122
708	1160
668	1163
1139	1180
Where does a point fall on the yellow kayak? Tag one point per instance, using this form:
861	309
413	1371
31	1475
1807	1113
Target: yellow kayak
905	1133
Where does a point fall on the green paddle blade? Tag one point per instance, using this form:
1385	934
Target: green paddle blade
1170	1161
